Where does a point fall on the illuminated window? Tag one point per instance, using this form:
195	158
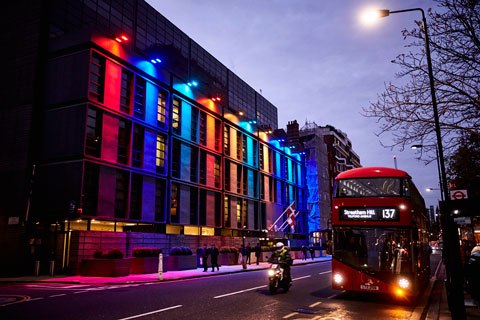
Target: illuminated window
226	211
137	146
176	116
161	109
239	145
140	94
260	158
94	132
226	140
244	148
160	153
123	141
245	213
97	77
126	91
239	213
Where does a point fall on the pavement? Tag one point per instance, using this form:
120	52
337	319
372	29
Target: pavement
432	304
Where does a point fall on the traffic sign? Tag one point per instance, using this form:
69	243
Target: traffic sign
458	194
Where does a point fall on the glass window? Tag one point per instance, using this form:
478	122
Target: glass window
137	147
203	128
374	249
194	125
218	134
368	187
126	91
217	172
174	203
160	153
244	148
123	141
194	164
90	189
94	132
136	196
176	153
239	145
140	94
226	138
159	200
239	213
121	194
176	116
97	77
161	108
226	212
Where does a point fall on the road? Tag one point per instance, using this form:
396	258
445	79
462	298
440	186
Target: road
234	296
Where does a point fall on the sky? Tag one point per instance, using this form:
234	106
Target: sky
314	60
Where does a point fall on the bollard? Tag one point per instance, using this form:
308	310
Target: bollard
37	268
160	267
52	268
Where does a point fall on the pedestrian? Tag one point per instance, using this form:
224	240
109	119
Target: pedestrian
472	274
249	252
205	257
304	250
258	251
312	251
214	253
243	252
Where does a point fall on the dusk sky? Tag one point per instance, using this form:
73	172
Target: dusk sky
314	60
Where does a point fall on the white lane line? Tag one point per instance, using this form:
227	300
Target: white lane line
334	295
300	278
325	272
237	292
80	292
152	312
290	315
314	304
58	295
35	299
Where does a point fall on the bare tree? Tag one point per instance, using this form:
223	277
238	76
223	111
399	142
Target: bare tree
405	110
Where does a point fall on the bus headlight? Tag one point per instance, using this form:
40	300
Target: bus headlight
403	283
271	272
337	278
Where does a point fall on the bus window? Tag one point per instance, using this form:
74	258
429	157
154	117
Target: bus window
368	187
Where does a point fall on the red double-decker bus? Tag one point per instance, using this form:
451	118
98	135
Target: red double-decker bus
380	239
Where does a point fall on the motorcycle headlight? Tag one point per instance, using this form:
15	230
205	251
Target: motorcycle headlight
403	283
337	278
271	272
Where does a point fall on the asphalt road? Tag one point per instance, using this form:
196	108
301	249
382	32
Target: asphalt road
234	296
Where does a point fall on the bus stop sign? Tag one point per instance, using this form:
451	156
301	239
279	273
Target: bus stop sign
458	194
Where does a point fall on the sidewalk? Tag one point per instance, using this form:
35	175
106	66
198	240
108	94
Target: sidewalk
152	277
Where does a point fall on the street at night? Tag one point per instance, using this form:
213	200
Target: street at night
242	295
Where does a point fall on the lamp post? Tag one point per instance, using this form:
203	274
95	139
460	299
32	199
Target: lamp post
419	146
451	254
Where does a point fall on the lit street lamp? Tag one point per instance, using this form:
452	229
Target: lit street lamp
431	189
454	282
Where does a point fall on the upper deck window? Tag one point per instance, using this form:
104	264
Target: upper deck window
370	187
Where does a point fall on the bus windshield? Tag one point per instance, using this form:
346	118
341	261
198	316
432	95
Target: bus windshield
370	187
373	250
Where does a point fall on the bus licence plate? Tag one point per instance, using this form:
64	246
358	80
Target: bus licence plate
368	287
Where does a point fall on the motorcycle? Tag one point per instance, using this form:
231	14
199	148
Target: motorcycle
277	279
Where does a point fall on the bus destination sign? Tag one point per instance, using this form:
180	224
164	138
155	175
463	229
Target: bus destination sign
369	214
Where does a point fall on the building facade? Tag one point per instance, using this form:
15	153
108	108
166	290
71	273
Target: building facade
139	137
328	151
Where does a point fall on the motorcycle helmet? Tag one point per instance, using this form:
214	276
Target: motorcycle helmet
279	246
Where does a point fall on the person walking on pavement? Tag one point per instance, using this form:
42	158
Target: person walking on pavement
244	252
214	253
249	252
258	251
205	257
472	274
304	250
312	251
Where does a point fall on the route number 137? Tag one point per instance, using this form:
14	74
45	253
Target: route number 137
388	213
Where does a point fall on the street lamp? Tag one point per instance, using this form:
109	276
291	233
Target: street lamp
431	189
453	267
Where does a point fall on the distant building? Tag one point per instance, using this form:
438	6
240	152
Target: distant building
328	151
120	131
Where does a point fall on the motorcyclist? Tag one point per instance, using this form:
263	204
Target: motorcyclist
283	258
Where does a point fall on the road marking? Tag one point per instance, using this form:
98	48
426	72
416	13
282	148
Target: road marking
152	312
290	315
58	295
435	275
325	272
35	299
334	295
237	292
80	292
300	278
314	304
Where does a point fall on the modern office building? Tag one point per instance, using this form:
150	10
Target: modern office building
122	132
328	151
